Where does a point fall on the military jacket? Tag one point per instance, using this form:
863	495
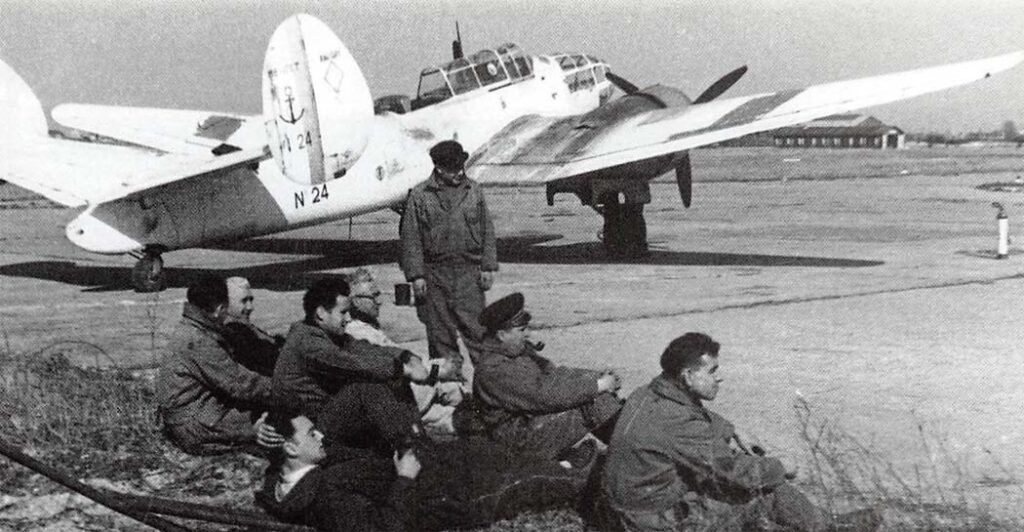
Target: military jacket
433	233
314	364
666	444
198	381
508	386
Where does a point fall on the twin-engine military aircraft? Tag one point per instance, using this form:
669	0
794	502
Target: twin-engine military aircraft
322	150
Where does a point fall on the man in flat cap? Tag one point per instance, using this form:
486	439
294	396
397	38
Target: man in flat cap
527	401
449	253
672	459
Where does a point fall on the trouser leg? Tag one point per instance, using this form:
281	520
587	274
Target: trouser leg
792	508
232	432
650	521
437	315
547	435
469	304
370	415
600	416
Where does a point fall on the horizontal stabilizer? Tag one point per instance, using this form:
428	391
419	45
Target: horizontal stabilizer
168	130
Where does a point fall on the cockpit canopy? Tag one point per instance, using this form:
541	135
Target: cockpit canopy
581	71
487	68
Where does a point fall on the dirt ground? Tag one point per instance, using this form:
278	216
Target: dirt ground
860	282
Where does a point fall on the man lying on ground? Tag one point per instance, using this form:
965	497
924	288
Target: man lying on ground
670	457
525	400
349	494
208	403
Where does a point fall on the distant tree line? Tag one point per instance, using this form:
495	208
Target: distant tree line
1009	133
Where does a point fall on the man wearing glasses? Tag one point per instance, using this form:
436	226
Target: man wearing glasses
449	253
436	402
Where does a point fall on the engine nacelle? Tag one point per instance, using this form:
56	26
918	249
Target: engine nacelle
665	96
317	107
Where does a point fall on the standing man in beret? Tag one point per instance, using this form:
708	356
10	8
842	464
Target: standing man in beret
670	458
525	400
449	253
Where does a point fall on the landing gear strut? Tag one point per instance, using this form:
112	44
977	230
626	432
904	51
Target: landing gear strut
624	234
148	273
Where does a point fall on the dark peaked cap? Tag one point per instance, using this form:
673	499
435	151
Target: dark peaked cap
505	313
449	155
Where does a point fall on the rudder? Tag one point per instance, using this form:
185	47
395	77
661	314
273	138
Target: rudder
316	104
23	114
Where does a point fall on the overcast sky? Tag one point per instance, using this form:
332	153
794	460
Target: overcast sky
208	55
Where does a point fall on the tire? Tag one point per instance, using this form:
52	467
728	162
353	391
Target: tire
147	274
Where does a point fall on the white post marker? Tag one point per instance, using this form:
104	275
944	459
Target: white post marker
1003	247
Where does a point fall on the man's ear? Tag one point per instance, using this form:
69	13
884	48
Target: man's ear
321	314
220	310
290	449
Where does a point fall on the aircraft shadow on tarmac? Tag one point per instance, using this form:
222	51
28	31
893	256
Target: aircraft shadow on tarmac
336	254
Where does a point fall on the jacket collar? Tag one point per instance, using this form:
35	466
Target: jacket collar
195	316
435	183
491	344
313	329
672	390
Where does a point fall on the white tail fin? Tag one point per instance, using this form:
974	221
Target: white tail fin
23	115
316	103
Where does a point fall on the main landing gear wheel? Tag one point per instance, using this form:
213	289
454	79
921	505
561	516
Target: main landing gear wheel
148	273
625	232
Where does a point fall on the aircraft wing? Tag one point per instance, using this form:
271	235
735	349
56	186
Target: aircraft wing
166	130
541	149
79	173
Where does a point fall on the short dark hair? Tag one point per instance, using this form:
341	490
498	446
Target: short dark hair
281	421
323	293
686	352
208	292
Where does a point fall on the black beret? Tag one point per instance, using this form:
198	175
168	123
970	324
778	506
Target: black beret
504	313
449	155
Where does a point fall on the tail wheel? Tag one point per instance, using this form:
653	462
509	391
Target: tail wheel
148	273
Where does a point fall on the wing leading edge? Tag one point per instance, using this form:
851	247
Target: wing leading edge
517	154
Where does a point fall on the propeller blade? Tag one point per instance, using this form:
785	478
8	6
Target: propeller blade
723	84
622	84
684	178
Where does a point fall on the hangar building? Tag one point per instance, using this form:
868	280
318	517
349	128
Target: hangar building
841	131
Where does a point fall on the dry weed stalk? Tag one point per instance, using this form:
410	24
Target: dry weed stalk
844	473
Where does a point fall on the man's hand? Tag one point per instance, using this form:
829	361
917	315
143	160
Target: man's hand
451	396
407	465
414	370
486	280
419	288
266	436
609	382
447	371
791	467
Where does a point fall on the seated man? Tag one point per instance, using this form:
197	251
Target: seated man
206	400
353	493
527	401
251	346
436	402
667	445
319	358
